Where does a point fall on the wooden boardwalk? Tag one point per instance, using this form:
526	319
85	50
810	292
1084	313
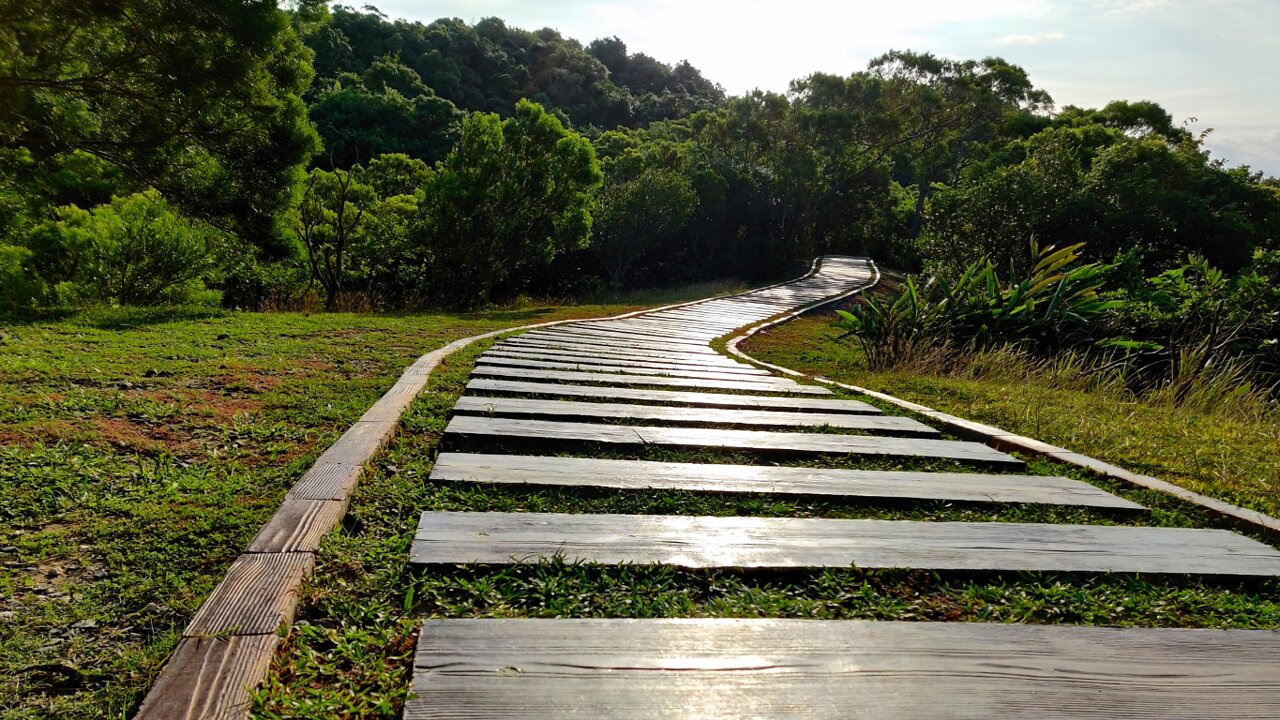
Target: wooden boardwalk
612	669
539	404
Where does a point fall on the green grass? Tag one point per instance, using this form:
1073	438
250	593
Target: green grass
140	450
350	653
1224	454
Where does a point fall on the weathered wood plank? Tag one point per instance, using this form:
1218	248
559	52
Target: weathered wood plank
208	678
621	360
838	670
673	397
676	371
257	596
328	481
471	432
664	335
596	411
519	343
298	525
774	385
702	477
666	323
575	337
459	538
586	332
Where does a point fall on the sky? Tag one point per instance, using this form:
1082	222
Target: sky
1210	63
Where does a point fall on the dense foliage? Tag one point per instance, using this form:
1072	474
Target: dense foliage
310	154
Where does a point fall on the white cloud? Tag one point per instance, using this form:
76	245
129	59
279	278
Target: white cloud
1040	39
1127	7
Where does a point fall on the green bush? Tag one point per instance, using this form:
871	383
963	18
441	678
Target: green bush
18	288
1051	306
134	251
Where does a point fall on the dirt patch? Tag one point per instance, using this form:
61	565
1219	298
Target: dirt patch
48	432
249	382
134	437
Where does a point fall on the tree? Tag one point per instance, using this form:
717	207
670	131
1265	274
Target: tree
200	100
634	216
396	174
512	195
388	111
328	221
948	111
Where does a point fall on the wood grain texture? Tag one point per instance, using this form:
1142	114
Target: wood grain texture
468	432
360	442
258	594
298	525
701	477
208	678
597	411
673	397
629	369
327	481
764	385
457	538
837	670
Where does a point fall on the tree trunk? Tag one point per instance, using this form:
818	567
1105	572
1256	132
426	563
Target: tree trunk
917	217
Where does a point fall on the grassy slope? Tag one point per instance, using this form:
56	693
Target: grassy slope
349	654
1230	458
141	450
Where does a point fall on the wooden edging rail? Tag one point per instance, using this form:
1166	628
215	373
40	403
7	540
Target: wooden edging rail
227	647
1004	440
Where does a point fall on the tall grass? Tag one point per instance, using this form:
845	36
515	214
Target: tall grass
1216	390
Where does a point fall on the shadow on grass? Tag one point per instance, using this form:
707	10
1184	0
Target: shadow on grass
113	318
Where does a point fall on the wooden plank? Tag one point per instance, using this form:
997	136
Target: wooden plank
672	397
328	481
621	359
676	371
686	335
592	334
635	348
664	323
298	525
471	432
617	340
770	385
600	669
703	477
518	343
209	678
461	538
598	411
257	596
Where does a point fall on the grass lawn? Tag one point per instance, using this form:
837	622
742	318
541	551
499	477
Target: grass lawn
139	453
1224	455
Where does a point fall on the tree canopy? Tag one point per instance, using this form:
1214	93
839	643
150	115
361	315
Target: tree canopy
198	99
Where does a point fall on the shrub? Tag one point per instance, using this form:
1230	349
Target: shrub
134	251
1051	306
18	288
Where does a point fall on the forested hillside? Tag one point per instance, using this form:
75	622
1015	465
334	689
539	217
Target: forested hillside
264	158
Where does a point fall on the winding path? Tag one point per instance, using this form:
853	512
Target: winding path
540	404
653	380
